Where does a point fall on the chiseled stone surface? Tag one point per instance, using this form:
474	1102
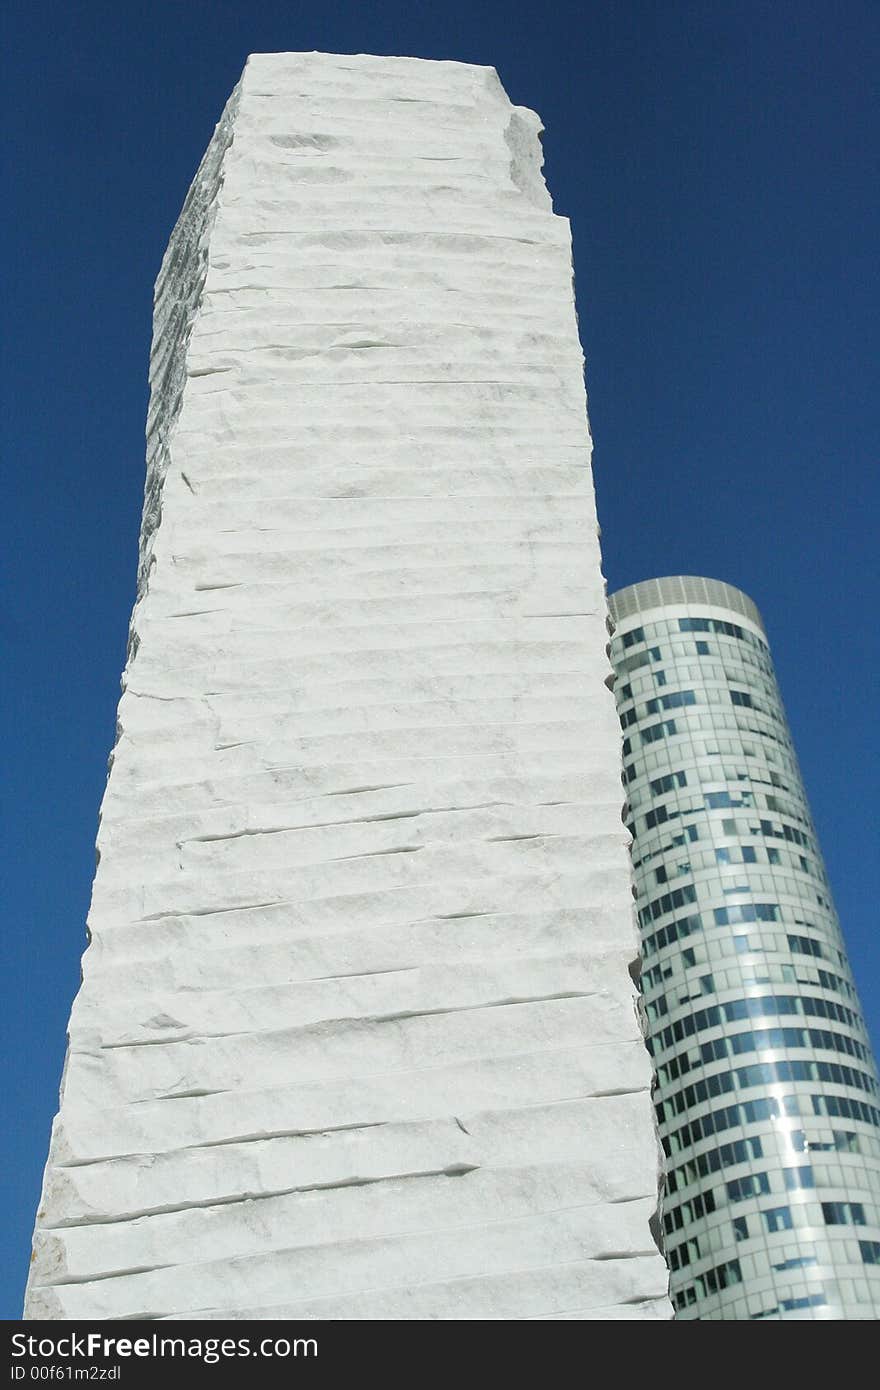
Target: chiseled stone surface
357	1036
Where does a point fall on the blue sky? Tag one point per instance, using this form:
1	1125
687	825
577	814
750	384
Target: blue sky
718	162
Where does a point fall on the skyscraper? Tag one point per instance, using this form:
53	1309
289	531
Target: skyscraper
767	1093
356	1037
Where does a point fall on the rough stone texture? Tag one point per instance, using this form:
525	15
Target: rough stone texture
357	1036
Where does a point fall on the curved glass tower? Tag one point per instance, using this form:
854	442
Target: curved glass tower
767	1094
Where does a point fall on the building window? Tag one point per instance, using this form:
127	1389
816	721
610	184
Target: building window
721	1277
843	1213
796	1262
654	732
745	912
668	783
799	1177
804	946
777	1219
812	1300
845	1141
752	1185
714	800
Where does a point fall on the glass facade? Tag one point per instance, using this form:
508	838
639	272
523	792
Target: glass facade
767	1093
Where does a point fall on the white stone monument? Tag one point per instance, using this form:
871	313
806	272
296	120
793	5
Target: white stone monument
357	1036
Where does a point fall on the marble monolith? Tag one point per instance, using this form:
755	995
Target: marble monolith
357	1036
